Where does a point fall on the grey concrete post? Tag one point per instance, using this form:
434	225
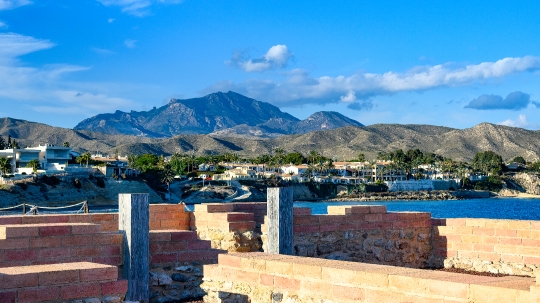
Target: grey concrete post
280	220
133	222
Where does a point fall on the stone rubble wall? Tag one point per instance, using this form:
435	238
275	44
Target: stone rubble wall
176	259
363	234
485	245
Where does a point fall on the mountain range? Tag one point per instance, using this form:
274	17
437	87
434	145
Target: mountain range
221	114
344	143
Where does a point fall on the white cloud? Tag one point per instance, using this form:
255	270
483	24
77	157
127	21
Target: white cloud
521	122
3	25
110	20
299	87
276	57
130	43
139	8
349	97
45	88
14	45
11	4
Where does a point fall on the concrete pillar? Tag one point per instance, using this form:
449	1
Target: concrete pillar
133	223
280	220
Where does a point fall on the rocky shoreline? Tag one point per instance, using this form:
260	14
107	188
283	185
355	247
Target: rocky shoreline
400	195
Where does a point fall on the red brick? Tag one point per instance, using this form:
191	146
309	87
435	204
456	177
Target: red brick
111	250
87	251
99	218
10	220
43	219
160	236
506	232
18	281
164	258
247	277
14	243
373	217
78	240
376	209
50	253
483	231
286	283
198	245
45	242
329	227
47	231
530	242
39	294
19	231
7	296
190	256
391	217
85	229
166	247
58	277
183	235
114	288
267	280
230	260
83	290
362	209
384	225
306	220
367	225
20	255
242	226
509	241
532	260
347	226
400	224
173	224
99	274
301	211
347	293
108	239
306	228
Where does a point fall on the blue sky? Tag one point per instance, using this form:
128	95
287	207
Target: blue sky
450	63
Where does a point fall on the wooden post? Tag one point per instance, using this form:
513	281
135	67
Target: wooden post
133	223
280	220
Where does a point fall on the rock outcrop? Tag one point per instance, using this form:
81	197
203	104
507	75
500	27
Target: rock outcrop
530	182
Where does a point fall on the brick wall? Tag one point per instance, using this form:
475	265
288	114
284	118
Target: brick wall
497	246
266	278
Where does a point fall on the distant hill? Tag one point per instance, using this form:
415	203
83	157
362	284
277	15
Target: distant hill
344	143
223	114
324	120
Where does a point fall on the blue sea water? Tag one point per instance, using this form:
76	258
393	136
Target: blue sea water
493	208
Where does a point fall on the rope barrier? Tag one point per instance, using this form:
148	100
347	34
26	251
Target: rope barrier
34	209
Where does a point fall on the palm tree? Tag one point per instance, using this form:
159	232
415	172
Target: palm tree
131	160
167	176
34	164
5	165
313	156
84	158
